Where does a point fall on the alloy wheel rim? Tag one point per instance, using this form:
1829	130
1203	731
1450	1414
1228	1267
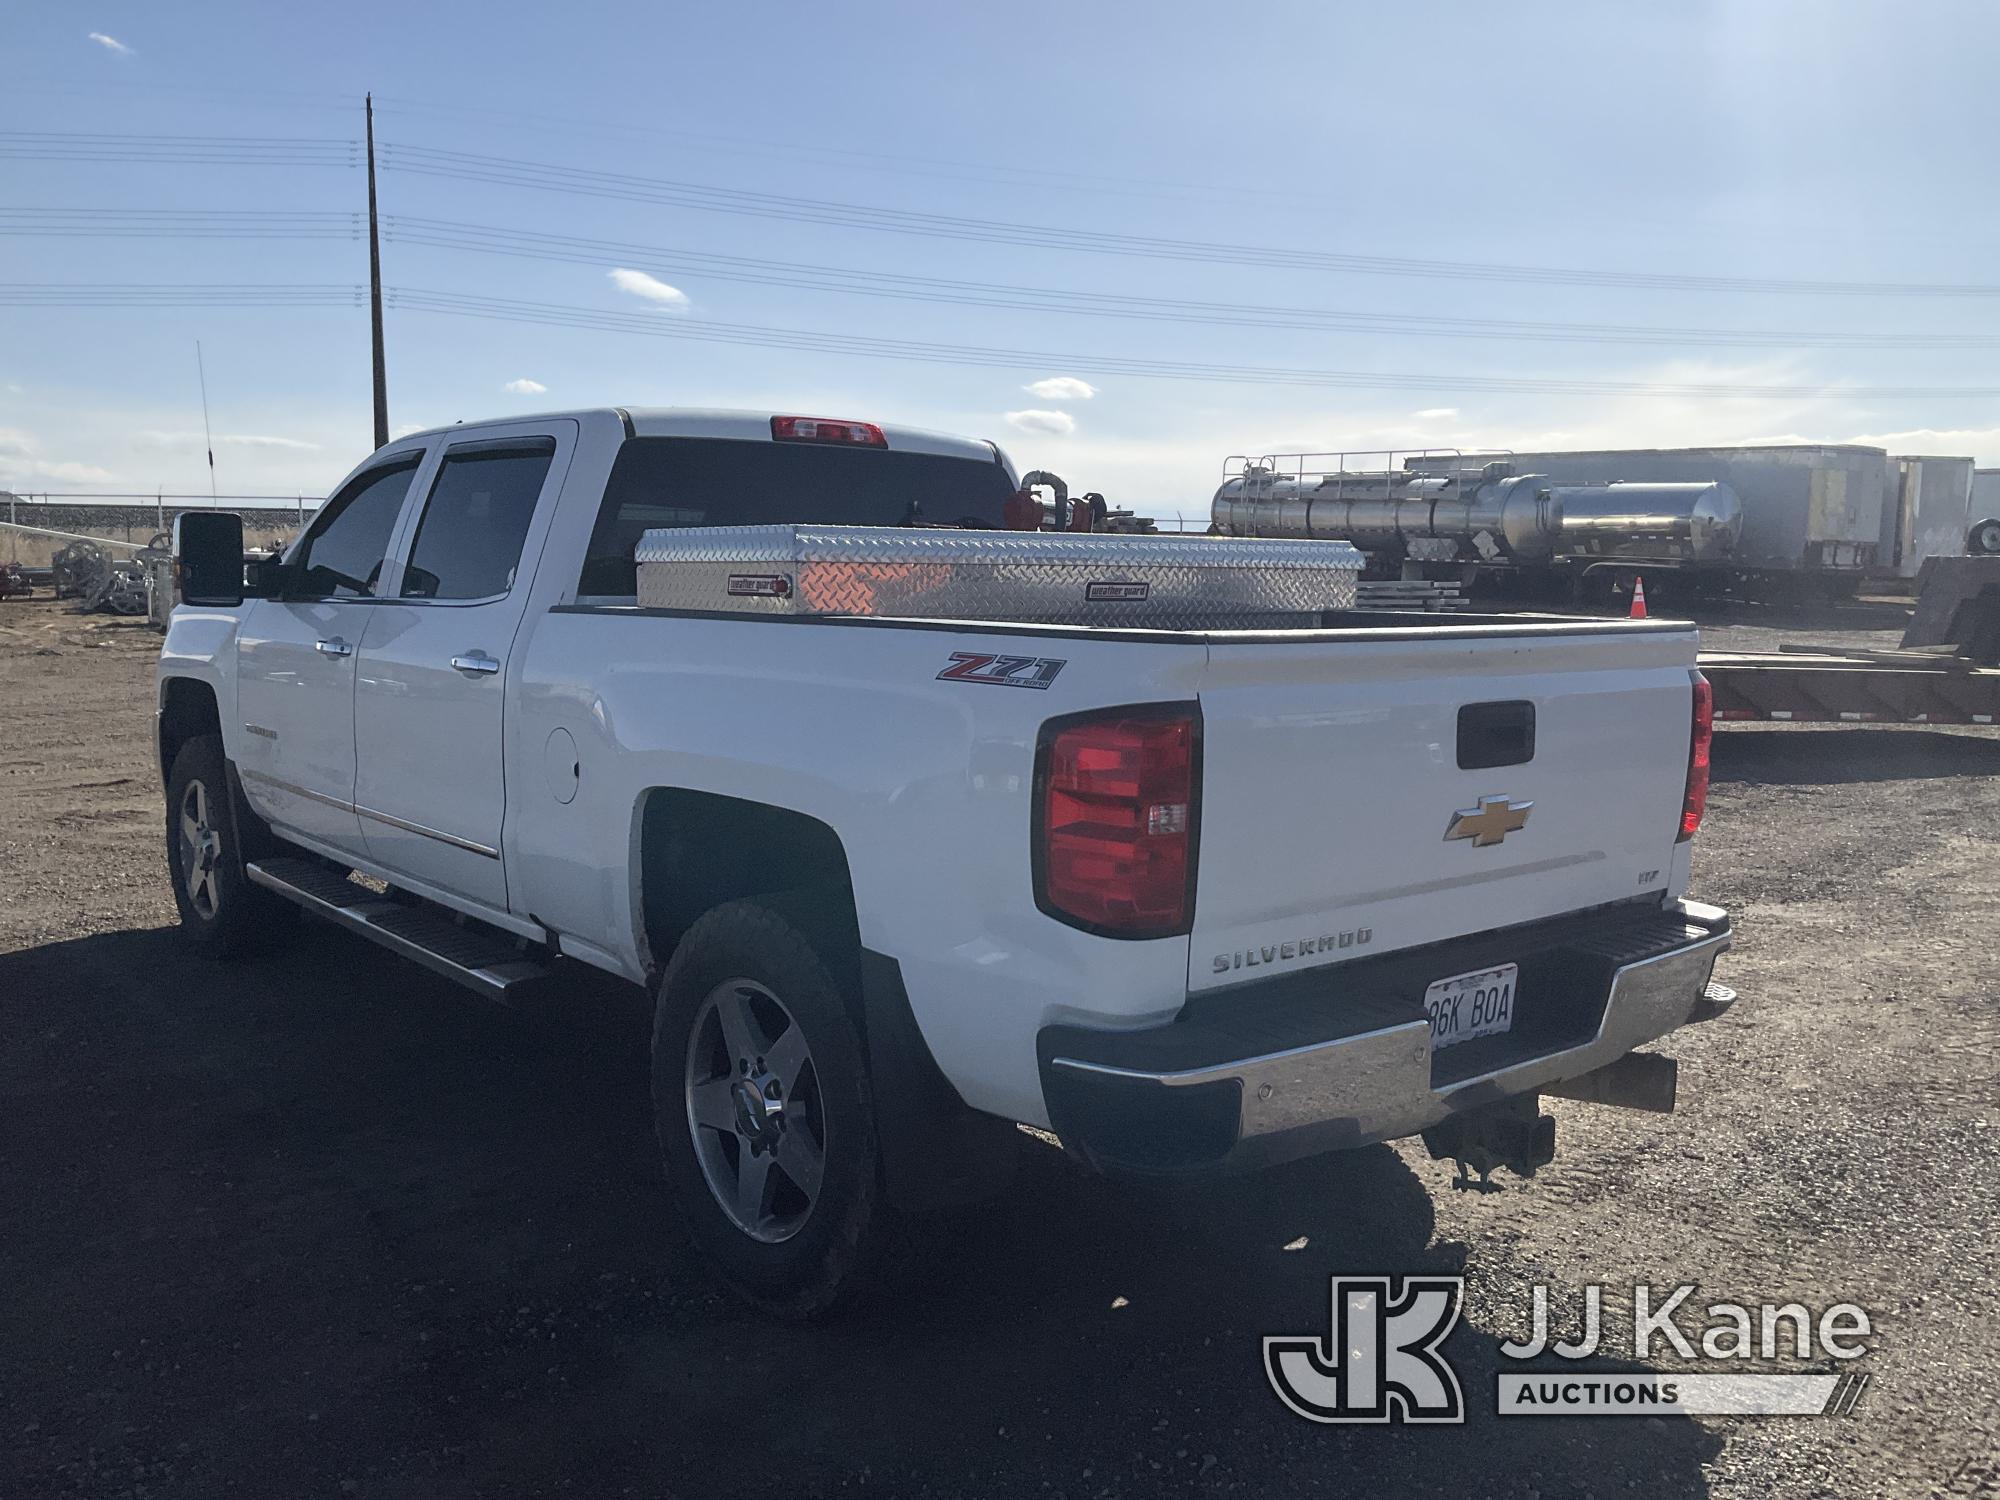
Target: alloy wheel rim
755	1111
201	852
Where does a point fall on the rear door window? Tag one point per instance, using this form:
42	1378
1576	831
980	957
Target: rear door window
475	523
674	482
341	557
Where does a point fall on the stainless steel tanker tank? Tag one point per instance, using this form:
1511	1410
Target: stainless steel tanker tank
1494	513
1805	507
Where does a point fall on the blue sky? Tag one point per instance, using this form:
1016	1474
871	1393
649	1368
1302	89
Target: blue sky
1768	141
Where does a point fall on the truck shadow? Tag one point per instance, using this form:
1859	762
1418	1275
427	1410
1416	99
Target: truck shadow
1825	757
318	1221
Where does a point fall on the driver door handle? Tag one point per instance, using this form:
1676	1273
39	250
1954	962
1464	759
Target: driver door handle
333	646
476	664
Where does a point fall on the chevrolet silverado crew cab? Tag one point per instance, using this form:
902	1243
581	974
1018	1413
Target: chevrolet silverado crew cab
921	823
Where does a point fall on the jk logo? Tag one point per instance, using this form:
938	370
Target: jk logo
1380	1362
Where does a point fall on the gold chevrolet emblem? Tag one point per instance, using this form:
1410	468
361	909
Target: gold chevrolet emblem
1490	822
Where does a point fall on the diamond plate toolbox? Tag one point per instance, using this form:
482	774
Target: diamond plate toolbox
1044	578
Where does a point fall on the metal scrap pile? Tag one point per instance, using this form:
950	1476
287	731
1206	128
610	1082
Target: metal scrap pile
86	571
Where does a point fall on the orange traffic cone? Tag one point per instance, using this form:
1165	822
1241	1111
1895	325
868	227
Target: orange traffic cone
1638	598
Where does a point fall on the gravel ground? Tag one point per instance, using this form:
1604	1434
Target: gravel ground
319	1225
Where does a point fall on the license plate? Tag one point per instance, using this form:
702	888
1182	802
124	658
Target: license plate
1471	1005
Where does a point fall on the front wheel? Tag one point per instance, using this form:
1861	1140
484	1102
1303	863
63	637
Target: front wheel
765	1119
221	912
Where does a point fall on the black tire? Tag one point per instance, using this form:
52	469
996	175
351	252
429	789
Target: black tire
817	1249
1983	540
222	914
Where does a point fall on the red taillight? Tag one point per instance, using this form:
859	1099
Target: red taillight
1116	820
1695	802
821	430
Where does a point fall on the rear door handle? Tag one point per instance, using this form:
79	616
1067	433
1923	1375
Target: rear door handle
333	646
476	664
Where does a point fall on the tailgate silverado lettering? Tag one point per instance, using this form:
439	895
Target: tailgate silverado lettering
1272	953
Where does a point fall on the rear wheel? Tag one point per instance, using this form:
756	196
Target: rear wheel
762	1105
1984	538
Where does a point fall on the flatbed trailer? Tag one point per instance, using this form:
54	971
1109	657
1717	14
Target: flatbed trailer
1947	670
1817	685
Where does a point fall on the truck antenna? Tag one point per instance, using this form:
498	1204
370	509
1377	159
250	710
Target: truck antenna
375	291
207	437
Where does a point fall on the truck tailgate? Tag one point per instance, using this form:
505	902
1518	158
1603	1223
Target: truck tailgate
1334	769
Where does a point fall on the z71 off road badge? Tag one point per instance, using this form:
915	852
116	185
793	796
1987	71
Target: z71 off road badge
1002	671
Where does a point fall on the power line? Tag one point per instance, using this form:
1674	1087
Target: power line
156	137
213	150
850	158
701	330
709	331
202	92
536	245
789	151
509	172
168	223
233	294
180	294
512	172
576	250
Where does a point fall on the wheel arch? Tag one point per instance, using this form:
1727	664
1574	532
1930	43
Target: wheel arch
697	850
187	708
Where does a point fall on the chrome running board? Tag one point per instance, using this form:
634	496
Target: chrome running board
476	957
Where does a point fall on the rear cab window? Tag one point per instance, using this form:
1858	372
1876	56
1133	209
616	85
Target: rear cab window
687	481
475	521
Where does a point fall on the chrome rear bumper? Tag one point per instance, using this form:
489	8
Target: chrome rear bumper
1343	1058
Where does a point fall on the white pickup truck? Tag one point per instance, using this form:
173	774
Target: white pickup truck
1189	898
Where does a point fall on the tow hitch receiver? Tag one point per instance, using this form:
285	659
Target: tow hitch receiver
1511	1133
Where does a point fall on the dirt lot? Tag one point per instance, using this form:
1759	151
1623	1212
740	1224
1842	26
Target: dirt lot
319	1225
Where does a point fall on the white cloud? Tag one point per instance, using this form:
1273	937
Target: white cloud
1979	443
265	440
110	44
639	284
68	471
404	429
156	439
1042	421
1435	413
20	457
103	445
525	387
1061	388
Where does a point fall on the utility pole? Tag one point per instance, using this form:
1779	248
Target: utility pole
375	292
